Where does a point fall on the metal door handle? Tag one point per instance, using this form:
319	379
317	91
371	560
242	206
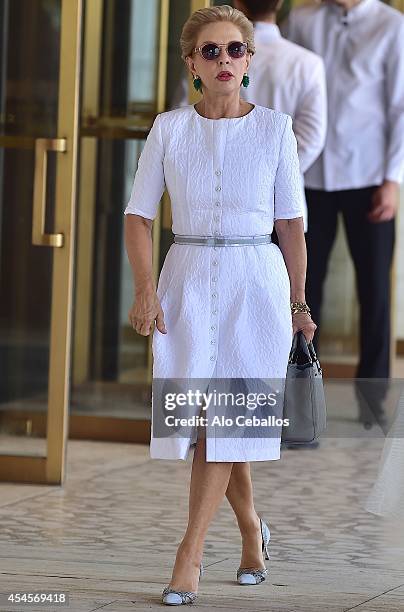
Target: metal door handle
42	146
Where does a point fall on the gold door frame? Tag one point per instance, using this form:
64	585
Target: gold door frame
51	468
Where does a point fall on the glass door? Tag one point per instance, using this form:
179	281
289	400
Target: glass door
132	69
39	81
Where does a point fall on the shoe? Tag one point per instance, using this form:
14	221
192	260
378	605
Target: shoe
378	416
251	575
370	403
171	597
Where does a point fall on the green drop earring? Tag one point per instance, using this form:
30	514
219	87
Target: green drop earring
246	80
198	83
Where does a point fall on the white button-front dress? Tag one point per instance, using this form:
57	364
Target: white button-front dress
226	308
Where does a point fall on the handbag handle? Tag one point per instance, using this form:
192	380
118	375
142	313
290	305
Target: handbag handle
302	352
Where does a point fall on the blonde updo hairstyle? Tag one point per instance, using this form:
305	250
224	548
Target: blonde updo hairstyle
202	17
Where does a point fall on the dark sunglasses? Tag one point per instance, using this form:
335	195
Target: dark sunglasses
211	51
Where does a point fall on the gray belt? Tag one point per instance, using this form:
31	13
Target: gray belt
222	240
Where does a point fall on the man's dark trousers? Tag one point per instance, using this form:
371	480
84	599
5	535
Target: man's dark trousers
371	247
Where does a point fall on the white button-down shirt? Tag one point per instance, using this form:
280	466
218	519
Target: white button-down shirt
291	79
363	52
288	78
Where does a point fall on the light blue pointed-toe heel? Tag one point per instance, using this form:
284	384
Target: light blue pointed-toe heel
171	597
252	575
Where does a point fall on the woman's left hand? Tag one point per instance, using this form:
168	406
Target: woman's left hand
303	321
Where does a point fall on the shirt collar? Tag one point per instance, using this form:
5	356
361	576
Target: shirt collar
354	13
266	32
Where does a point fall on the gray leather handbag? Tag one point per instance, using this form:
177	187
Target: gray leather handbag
304	401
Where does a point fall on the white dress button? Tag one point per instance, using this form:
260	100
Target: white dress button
214	279
218	172
218	188
214	295
217	203
214	262
214	311
213	327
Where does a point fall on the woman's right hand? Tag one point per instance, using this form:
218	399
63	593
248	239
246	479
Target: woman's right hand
303	321
145	311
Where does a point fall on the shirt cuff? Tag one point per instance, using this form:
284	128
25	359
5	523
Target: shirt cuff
395	173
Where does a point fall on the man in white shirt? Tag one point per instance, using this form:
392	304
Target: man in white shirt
286	77
362	164
283	76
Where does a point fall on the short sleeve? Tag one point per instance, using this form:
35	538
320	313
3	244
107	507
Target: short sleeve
148	185
288	196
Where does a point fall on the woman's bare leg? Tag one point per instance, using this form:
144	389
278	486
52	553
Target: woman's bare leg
240	495
209	481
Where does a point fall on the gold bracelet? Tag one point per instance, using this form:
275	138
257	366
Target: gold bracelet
297	307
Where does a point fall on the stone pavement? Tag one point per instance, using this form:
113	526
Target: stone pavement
109	536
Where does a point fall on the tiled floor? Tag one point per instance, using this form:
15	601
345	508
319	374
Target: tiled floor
109	536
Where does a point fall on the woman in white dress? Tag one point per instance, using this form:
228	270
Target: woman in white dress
223	308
